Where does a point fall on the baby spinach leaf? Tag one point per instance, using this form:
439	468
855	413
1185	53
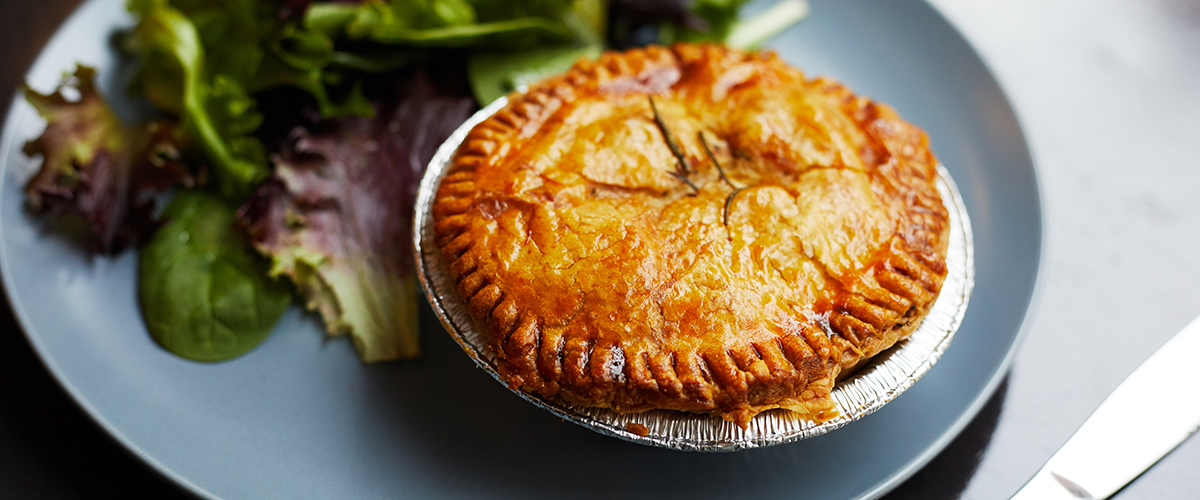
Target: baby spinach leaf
204	292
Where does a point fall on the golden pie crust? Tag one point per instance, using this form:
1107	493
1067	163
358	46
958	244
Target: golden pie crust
601	276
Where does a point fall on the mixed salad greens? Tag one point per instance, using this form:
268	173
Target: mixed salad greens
290	136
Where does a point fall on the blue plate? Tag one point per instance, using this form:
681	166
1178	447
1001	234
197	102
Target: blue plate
301	417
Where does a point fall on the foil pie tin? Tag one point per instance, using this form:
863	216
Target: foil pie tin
882	380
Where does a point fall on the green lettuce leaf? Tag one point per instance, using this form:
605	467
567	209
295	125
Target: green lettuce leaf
495	74
215	109
641	22
718	18
307	60
203	60
752	32
441	23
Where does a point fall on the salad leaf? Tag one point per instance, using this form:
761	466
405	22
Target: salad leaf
94	166
717	19
303	60
205	294
215	108
336	217
641	22
471	34
362	20
373	62
752	32
441	23
248	41
495	74
231	32
717	16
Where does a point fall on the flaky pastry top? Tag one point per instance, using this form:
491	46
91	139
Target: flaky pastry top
692	228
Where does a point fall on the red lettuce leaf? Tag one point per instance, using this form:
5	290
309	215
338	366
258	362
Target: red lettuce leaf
336	216
93	166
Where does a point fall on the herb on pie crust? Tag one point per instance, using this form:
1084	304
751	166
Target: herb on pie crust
720	170
682	170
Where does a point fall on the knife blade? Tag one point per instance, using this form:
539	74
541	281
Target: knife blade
1144	418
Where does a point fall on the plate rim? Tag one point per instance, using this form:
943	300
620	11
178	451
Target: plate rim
1035	292
8	136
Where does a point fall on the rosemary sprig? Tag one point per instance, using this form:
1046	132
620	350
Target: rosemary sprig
682	169
729	201
721	170
684	179
712	158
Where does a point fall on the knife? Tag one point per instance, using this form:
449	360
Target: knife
1146	417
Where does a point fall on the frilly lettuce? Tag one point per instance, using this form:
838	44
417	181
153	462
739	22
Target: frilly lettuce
96	167
203	60
215	109
336	216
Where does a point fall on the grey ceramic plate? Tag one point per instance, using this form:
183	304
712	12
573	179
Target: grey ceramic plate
300	417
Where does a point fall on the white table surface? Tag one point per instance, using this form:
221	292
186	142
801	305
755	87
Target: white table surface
1108	92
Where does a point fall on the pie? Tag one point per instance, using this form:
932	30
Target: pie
692	228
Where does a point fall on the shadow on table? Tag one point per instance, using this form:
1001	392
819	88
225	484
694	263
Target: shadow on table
947	475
